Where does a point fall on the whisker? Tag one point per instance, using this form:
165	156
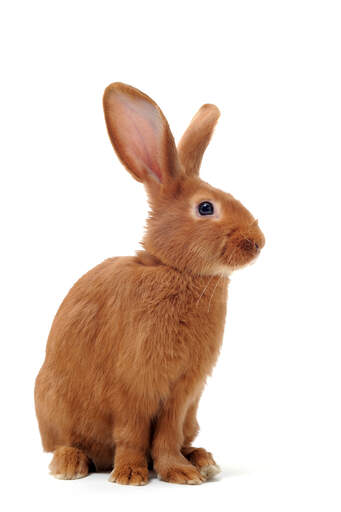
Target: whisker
231	255
205	288
214	289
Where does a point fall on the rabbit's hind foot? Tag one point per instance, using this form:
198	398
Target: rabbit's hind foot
69	463
203	461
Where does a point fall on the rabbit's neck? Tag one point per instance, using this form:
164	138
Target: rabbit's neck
148	259
196	292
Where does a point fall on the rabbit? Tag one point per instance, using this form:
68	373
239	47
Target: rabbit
134	340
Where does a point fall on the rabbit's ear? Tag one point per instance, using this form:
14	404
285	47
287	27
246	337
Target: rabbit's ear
195	140
140	134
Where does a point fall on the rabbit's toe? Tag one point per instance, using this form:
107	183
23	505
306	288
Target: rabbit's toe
69	463
210	471
182	475
129	475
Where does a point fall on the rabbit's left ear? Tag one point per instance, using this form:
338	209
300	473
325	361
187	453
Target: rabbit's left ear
195	140
140	135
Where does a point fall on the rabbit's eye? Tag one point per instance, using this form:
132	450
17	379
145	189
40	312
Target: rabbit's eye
206	208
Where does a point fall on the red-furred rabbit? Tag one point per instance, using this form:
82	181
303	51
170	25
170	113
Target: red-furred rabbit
135	338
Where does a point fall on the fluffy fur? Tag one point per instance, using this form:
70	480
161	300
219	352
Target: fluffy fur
135	338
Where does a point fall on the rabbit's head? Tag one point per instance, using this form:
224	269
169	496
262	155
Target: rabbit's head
192	226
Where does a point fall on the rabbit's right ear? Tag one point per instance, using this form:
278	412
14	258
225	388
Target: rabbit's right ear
140	134
195	140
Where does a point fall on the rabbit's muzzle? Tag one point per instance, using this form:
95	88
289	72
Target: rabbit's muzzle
244	246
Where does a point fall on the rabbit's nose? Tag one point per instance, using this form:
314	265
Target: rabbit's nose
250	246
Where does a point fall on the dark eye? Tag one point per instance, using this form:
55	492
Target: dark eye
206	208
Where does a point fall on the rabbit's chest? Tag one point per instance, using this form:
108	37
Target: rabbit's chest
185	333
172	328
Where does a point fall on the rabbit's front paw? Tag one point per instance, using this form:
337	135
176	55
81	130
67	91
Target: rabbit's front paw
69	463
181	474
129	475
203	461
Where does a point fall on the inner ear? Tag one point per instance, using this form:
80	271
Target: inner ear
140	134
194	141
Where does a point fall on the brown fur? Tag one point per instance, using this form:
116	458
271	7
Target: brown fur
135	338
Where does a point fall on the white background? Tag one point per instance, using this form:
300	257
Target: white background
271	411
